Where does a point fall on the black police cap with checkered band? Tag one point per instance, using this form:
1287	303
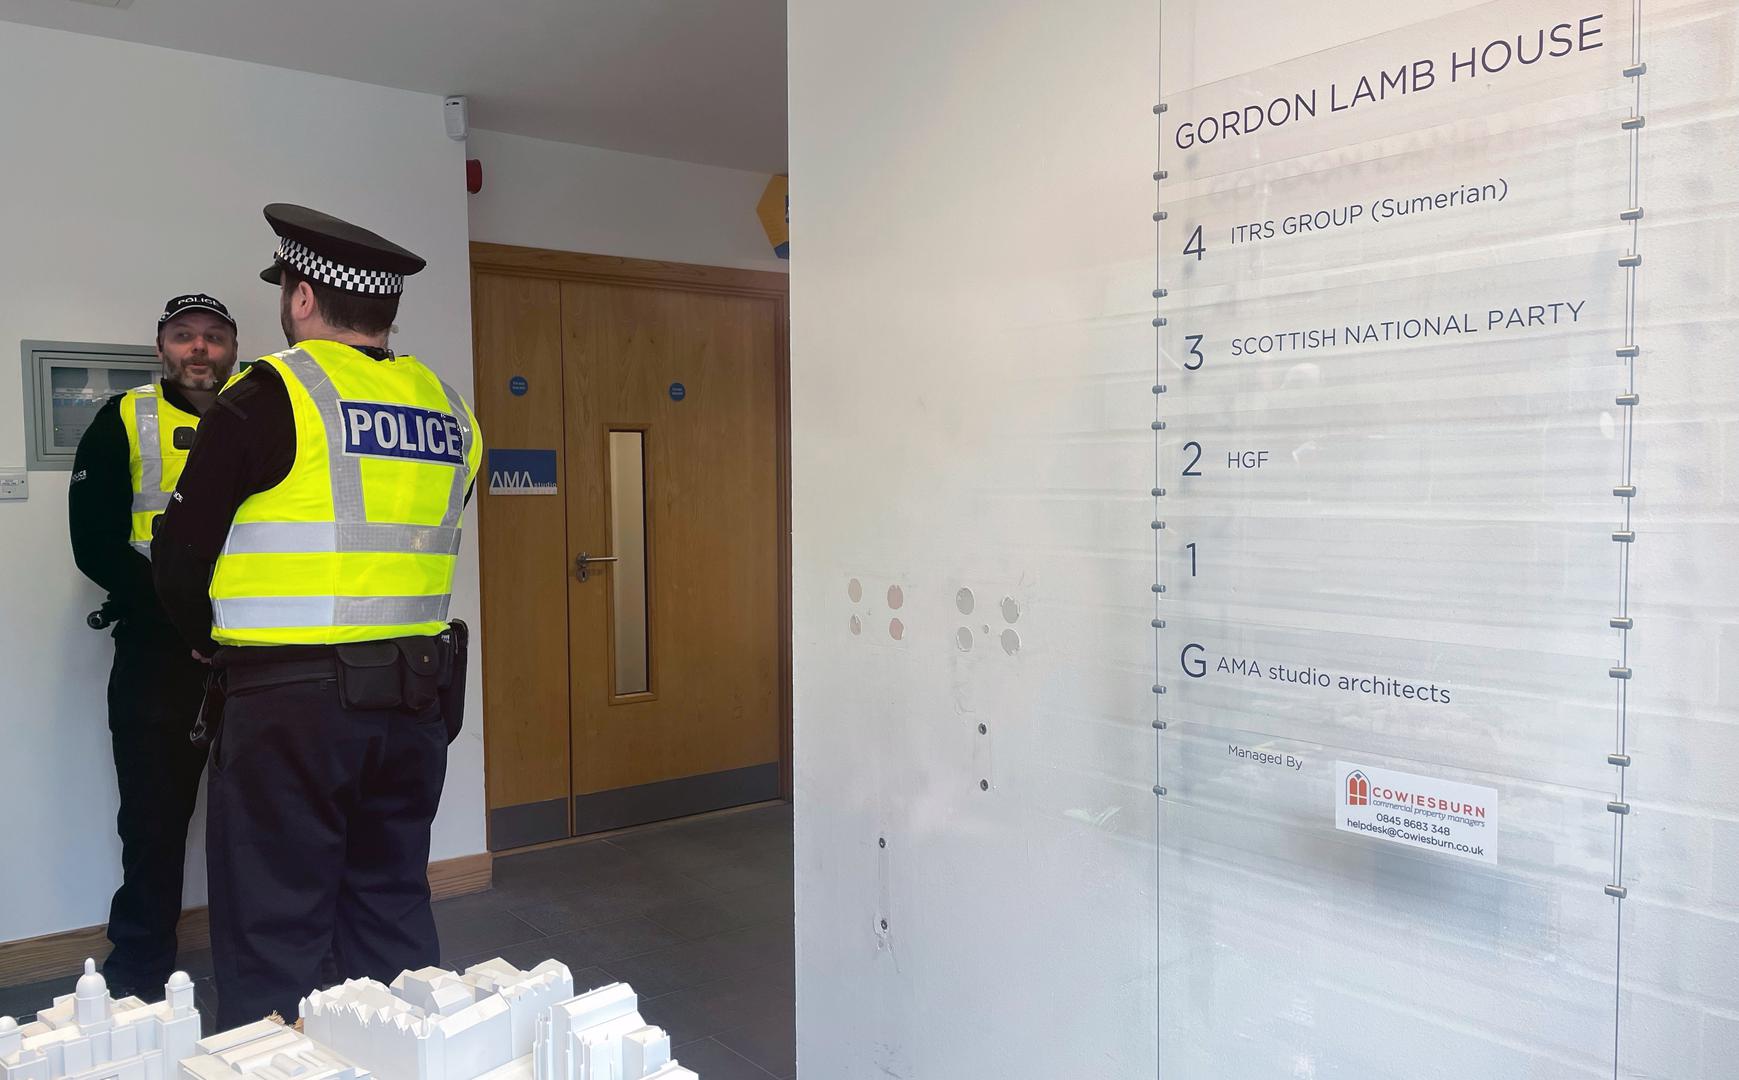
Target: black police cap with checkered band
336	253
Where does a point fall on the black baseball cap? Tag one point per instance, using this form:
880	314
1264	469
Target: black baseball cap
181	305
337	253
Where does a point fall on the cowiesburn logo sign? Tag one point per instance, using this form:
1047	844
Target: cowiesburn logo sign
1418	811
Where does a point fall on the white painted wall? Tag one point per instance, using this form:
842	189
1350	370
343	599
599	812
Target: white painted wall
538	193
970	411
971	357
134	173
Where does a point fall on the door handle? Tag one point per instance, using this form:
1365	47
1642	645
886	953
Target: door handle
584	562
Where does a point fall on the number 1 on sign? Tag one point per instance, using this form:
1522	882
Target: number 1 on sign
1192	548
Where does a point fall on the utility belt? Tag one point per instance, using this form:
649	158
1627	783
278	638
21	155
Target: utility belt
410	673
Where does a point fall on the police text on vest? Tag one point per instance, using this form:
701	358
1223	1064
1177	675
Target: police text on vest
376	429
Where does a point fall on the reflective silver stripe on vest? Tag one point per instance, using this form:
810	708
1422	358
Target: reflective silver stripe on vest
150	497
304	537
143	547
290	612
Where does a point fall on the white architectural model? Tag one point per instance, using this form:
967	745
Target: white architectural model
494	1022
266	1050
88	1035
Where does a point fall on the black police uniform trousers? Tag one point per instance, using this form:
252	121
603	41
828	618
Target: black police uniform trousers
317	843
155	689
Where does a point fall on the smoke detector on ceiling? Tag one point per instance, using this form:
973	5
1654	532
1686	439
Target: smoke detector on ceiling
107	3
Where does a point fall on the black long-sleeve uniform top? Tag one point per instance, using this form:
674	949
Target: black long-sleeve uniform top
100	513
246	445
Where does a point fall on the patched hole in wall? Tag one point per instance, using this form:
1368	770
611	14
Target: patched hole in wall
966	602
897	630
855	591
896	598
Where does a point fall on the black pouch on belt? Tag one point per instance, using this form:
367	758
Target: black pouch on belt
422	670
368	675
458	640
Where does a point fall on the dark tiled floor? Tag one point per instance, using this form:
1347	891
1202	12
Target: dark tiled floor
696	914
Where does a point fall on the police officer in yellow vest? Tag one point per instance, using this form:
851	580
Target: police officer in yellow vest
123	474
310	551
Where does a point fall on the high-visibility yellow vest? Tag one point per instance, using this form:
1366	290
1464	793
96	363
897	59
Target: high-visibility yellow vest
159	435
360	541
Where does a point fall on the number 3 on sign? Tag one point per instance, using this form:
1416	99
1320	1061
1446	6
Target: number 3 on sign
1197	358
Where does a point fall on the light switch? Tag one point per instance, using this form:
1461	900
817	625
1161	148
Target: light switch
14	485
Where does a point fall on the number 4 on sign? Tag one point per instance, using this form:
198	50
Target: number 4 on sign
1194	246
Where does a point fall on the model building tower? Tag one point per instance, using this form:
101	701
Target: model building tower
435	1025
266	1050
494	1022
600	1036
88	1035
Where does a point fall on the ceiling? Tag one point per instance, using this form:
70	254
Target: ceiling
695	80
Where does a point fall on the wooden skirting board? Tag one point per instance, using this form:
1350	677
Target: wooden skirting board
54	955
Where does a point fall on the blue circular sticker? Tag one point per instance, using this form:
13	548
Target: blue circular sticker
678	391
518	385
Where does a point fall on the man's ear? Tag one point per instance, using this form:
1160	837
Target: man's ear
302	303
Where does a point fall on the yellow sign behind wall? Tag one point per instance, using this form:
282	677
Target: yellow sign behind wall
775	211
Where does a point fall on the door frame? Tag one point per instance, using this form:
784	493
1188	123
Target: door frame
511	260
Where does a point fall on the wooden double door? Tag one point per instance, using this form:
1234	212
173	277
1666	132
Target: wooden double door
635	646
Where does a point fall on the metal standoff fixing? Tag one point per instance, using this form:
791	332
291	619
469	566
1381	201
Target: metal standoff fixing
1159	215
1624	536
1618	807
1633	214
1158	525
1157	790
1157	109
1617	892
1631	123
1630	260
1158	624
1159	425
1159	588
1634	70
1620	760
1158	493
1625	491
1159	388
1159	320
1622	622
1159	725
1160	294
1628	399
1629	351
1619	673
